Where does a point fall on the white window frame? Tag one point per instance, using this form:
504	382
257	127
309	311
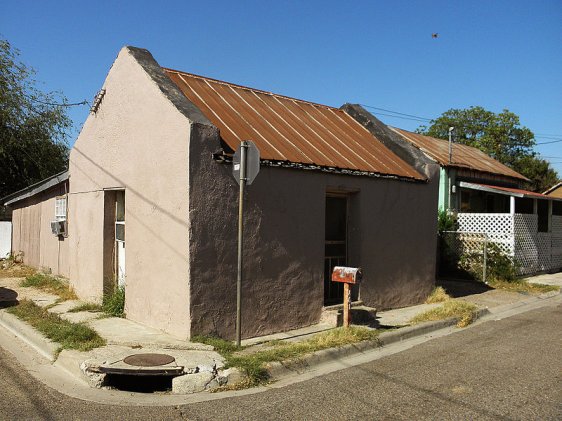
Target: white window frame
61	208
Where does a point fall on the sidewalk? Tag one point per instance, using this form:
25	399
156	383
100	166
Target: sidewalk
198	367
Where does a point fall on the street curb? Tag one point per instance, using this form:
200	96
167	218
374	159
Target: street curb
278	370
29	335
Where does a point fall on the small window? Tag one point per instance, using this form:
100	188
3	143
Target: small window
60	208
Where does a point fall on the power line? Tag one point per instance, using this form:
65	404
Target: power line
57	104
548	143
404	116
397	112
549	137
400	117
548	134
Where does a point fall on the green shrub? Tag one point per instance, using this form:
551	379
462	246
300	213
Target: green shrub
446	221
499	265
114	303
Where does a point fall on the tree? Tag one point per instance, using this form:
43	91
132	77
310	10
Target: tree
500	136
33	126
539	171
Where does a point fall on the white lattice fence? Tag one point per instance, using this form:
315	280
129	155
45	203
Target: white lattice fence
556	242
490	223
517	235
498	228
526	243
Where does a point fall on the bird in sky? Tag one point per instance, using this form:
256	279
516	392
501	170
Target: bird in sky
434	35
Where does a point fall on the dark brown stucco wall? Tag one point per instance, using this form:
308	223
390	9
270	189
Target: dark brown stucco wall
392	236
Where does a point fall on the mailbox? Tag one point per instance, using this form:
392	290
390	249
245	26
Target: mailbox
346	275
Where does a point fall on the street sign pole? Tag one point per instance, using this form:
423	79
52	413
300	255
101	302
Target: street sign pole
245	168
243	150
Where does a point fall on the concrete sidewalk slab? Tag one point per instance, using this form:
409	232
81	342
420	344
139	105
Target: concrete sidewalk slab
41	298
402	316
547	279
120	331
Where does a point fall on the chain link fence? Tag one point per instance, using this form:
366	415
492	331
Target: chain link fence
464	255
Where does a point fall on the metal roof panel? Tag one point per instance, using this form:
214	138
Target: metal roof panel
464	156
289	129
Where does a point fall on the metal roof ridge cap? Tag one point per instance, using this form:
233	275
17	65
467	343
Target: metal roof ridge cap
261	91
167	86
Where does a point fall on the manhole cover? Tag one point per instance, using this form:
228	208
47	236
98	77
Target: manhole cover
148	360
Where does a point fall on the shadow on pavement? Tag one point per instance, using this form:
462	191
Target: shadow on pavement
8	297
462	288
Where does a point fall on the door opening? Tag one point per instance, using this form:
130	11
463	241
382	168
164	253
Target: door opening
120	237
335	246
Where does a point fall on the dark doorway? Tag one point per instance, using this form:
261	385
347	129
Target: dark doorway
335	248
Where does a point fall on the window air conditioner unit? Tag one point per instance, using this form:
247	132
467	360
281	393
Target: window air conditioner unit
58	227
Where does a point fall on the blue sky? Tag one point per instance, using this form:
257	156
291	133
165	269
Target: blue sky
497	54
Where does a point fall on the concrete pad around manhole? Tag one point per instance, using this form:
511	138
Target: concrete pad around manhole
185	362
118	331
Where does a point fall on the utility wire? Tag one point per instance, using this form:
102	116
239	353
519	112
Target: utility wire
404	116
396	112
57	104
547	143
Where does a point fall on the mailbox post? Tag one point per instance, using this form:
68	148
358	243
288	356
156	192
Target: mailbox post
348	276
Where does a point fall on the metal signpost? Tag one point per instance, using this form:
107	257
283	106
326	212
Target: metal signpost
245	168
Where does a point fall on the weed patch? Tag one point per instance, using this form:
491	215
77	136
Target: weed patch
522	286
438	295
69	335
86	307
254	365
9	269
49	284
461	310
114	304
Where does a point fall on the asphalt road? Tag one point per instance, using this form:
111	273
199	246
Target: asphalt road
506	369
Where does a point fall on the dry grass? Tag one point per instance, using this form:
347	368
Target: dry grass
49	284
69	335
438	295
523	287
461	310
8	269
254	365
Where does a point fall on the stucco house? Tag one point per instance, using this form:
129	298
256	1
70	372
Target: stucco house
487	197
150	203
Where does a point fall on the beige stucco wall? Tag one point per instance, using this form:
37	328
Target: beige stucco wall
31	232
136	141
392	236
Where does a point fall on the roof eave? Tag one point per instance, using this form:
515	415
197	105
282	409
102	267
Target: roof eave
35	188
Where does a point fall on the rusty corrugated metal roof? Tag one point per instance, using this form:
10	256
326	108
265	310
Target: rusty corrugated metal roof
509	191
289	129
463	156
